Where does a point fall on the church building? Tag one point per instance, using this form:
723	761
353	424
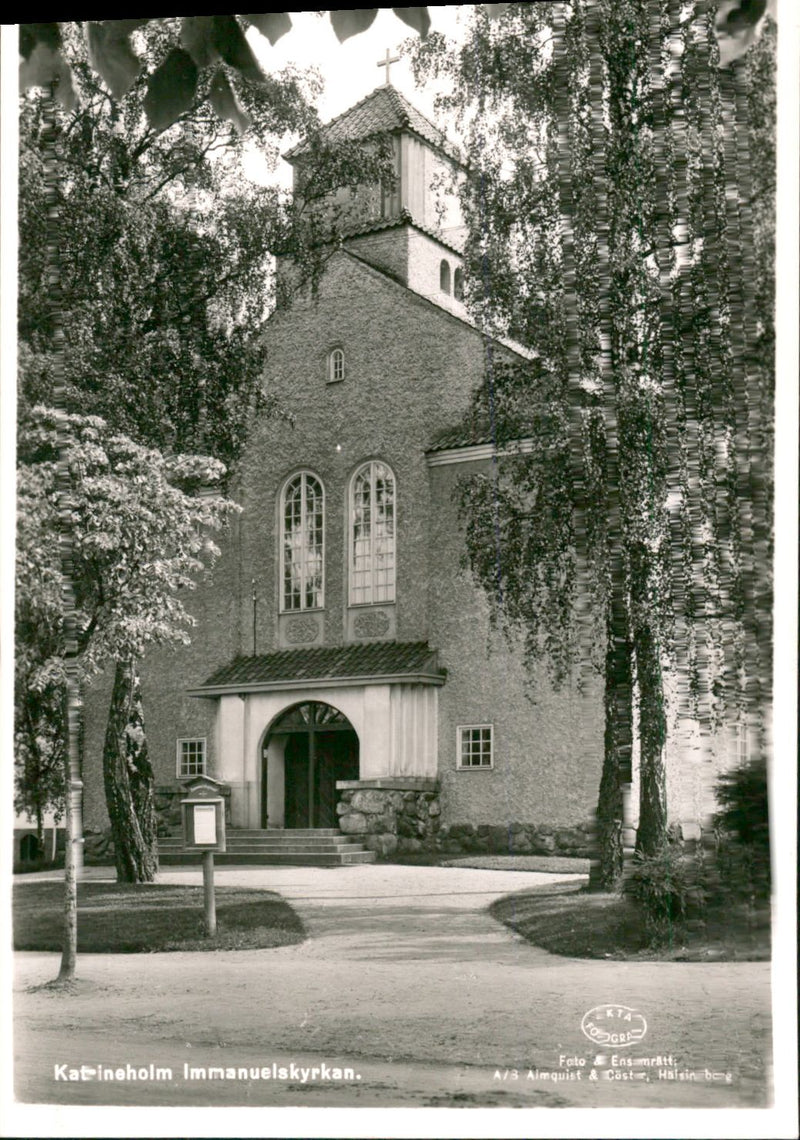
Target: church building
343	676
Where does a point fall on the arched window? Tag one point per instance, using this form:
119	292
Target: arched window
458	284
302	538
372	535
336	365
444	277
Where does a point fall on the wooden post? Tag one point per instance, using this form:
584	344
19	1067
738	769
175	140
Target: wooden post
209	902
312	764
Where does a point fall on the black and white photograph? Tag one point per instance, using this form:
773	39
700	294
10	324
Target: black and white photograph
399	571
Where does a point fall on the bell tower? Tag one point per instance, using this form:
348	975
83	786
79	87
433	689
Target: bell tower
414	231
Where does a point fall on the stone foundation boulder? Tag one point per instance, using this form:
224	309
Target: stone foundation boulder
98	846
515	838
383	845
390	816
353	823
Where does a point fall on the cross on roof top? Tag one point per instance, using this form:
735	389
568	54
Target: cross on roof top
390	59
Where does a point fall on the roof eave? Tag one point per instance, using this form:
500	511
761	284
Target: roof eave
449	151
404	218
477	452
244	688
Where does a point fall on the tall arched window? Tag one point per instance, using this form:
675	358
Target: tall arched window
336	366
444	277
372	535
302	543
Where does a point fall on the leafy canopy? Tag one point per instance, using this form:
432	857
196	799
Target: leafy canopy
141	537
163	297
211	53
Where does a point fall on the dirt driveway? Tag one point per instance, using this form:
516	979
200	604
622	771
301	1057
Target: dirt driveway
406	993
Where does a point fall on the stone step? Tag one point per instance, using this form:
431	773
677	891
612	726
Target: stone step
306	832
298	847
274	833
280	848
232	840
306	858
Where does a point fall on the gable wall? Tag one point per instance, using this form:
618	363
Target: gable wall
410	371
425	258
388	249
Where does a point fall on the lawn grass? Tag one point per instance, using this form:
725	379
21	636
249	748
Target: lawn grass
566	919
130	918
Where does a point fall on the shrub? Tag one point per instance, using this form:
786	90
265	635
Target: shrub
669	887
743	823
744	871
744	811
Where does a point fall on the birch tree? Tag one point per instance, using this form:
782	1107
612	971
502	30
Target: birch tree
614	229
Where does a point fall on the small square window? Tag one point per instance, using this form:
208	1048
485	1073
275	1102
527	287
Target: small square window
474	746
191	758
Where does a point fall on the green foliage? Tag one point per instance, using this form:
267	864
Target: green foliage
140	538
611	230
160	304
139	541
674	885
743	852
743	872
163	297
669	886
214	48
525	528
744	809
204	56
39	743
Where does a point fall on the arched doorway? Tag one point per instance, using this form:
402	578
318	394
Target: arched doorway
319	747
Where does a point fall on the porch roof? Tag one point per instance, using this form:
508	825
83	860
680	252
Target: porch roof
377	662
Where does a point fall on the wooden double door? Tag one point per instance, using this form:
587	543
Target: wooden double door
320	748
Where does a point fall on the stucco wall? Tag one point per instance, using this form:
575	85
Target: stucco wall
548	745
396	727
388	249
410	370
425	258
410	373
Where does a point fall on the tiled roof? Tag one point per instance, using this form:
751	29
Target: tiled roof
404	218
384	110
465	435
375	659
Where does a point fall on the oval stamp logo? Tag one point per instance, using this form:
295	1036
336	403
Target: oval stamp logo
611	1024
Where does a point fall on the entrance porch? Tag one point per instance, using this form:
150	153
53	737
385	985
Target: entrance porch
292	725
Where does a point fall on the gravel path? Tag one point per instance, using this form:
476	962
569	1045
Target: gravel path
406	980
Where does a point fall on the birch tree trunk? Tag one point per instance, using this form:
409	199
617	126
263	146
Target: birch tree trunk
618	739
128	778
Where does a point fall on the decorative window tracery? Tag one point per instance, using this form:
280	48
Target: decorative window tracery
302	543
372	535
336	366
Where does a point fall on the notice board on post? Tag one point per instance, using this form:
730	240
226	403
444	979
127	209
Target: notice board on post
203	816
